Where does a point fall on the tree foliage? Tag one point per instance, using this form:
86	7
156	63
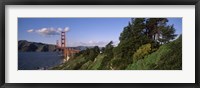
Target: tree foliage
108	56
137	49
130	40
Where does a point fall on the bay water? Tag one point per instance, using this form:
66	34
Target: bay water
38	60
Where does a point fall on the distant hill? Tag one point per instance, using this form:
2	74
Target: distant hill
82	47
27	46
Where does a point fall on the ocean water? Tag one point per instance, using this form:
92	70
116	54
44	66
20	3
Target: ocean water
38	60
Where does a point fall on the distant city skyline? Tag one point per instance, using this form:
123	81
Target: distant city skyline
79	31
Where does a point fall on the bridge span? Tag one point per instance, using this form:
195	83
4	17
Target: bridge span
66	52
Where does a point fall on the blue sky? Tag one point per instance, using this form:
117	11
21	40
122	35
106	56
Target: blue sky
80	31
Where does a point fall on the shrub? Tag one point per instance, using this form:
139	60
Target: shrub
141	52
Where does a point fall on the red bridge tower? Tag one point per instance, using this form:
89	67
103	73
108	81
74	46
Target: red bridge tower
63	43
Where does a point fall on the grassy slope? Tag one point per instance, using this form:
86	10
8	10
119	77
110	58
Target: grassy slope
72	64
168	56
81	63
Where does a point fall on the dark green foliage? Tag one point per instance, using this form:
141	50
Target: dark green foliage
131	39
159	31
173	58
90	54
109	47
153	26
109	50
103	49
119	63
167	34
81	53
93	52
105	65
108	56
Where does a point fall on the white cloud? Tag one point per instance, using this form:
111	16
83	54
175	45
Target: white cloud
49	31
59	29
66	29
31	30
91	43
94	43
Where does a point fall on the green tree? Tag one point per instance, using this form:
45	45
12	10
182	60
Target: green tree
93	53
153	26
168	33
108	56
132	37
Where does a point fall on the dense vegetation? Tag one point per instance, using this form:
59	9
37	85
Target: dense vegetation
145	44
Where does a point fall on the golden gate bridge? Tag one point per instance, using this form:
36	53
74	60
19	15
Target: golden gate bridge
66	52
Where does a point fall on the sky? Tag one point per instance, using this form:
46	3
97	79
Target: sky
79	31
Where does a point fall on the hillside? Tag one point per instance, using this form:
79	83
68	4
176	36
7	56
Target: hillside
167	57
145	44
27	46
